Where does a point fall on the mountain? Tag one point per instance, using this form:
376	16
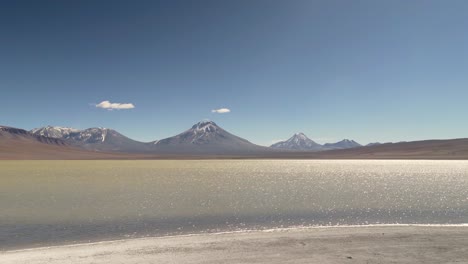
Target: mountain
96	139
54	132
16	143
344	144
373	144
206	137
11	133
298	141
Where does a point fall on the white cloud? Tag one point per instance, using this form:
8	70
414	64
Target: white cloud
111	106
221	111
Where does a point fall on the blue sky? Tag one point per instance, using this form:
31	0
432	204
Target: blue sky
366	70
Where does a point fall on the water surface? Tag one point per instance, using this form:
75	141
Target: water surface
54	202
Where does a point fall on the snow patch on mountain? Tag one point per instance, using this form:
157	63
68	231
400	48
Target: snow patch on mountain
204	127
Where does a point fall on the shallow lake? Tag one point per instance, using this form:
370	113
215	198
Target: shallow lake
54	202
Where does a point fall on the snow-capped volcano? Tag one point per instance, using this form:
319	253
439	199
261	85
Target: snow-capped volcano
343	144
201	133
207	137
298	141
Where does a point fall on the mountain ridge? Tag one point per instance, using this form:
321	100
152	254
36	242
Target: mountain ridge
16	143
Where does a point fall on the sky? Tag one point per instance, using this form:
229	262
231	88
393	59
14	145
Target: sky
364	70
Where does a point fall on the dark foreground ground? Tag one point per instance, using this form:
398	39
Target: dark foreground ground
378	244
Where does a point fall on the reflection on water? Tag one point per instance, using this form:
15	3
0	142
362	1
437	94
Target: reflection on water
47	202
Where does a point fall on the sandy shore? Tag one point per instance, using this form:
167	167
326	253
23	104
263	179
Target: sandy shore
380	244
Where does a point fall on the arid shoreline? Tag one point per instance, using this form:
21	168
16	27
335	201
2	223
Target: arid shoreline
371	244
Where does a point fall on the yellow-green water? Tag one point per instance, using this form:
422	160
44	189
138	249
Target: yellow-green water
50	202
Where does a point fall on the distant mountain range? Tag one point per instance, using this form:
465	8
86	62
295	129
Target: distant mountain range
301	142
203	139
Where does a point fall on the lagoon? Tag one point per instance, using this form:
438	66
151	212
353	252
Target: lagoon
56	202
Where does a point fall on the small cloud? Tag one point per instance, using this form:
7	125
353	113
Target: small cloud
111	106
221	111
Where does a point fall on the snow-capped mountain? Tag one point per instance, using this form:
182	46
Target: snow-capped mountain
90	135
207	137
11	133
298	141
201	133
97	138
54	131
343	144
